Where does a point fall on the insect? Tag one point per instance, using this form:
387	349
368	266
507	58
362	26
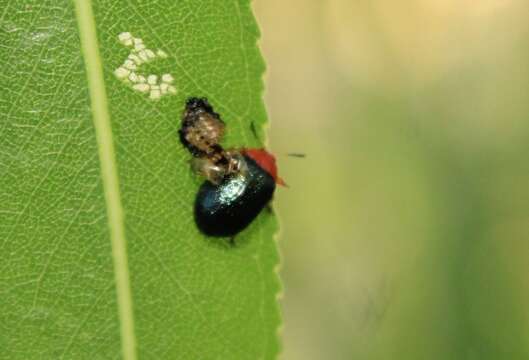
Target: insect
239	182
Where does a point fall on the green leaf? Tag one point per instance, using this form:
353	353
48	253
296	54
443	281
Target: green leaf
100	256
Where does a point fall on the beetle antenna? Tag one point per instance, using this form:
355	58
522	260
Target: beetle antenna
297	155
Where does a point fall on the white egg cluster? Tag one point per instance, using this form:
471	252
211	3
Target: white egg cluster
154	85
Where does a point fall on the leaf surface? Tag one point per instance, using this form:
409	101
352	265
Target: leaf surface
92	273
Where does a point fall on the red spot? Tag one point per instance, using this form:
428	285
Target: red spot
266	161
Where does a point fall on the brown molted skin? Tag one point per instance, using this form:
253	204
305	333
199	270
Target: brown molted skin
202	129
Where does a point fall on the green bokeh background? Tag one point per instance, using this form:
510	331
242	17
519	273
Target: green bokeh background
405	230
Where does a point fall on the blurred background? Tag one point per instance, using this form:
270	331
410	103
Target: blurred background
405	230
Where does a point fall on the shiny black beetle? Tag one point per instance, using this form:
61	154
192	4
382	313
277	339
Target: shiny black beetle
239	183
229	207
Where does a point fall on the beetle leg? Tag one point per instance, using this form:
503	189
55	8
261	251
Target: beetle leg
254	131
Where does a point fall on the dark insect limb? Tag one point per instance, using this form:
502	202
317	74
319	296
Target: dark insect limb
298	155
254	131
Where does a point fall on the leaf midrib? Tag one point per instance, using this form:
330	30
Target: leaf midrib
109	172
